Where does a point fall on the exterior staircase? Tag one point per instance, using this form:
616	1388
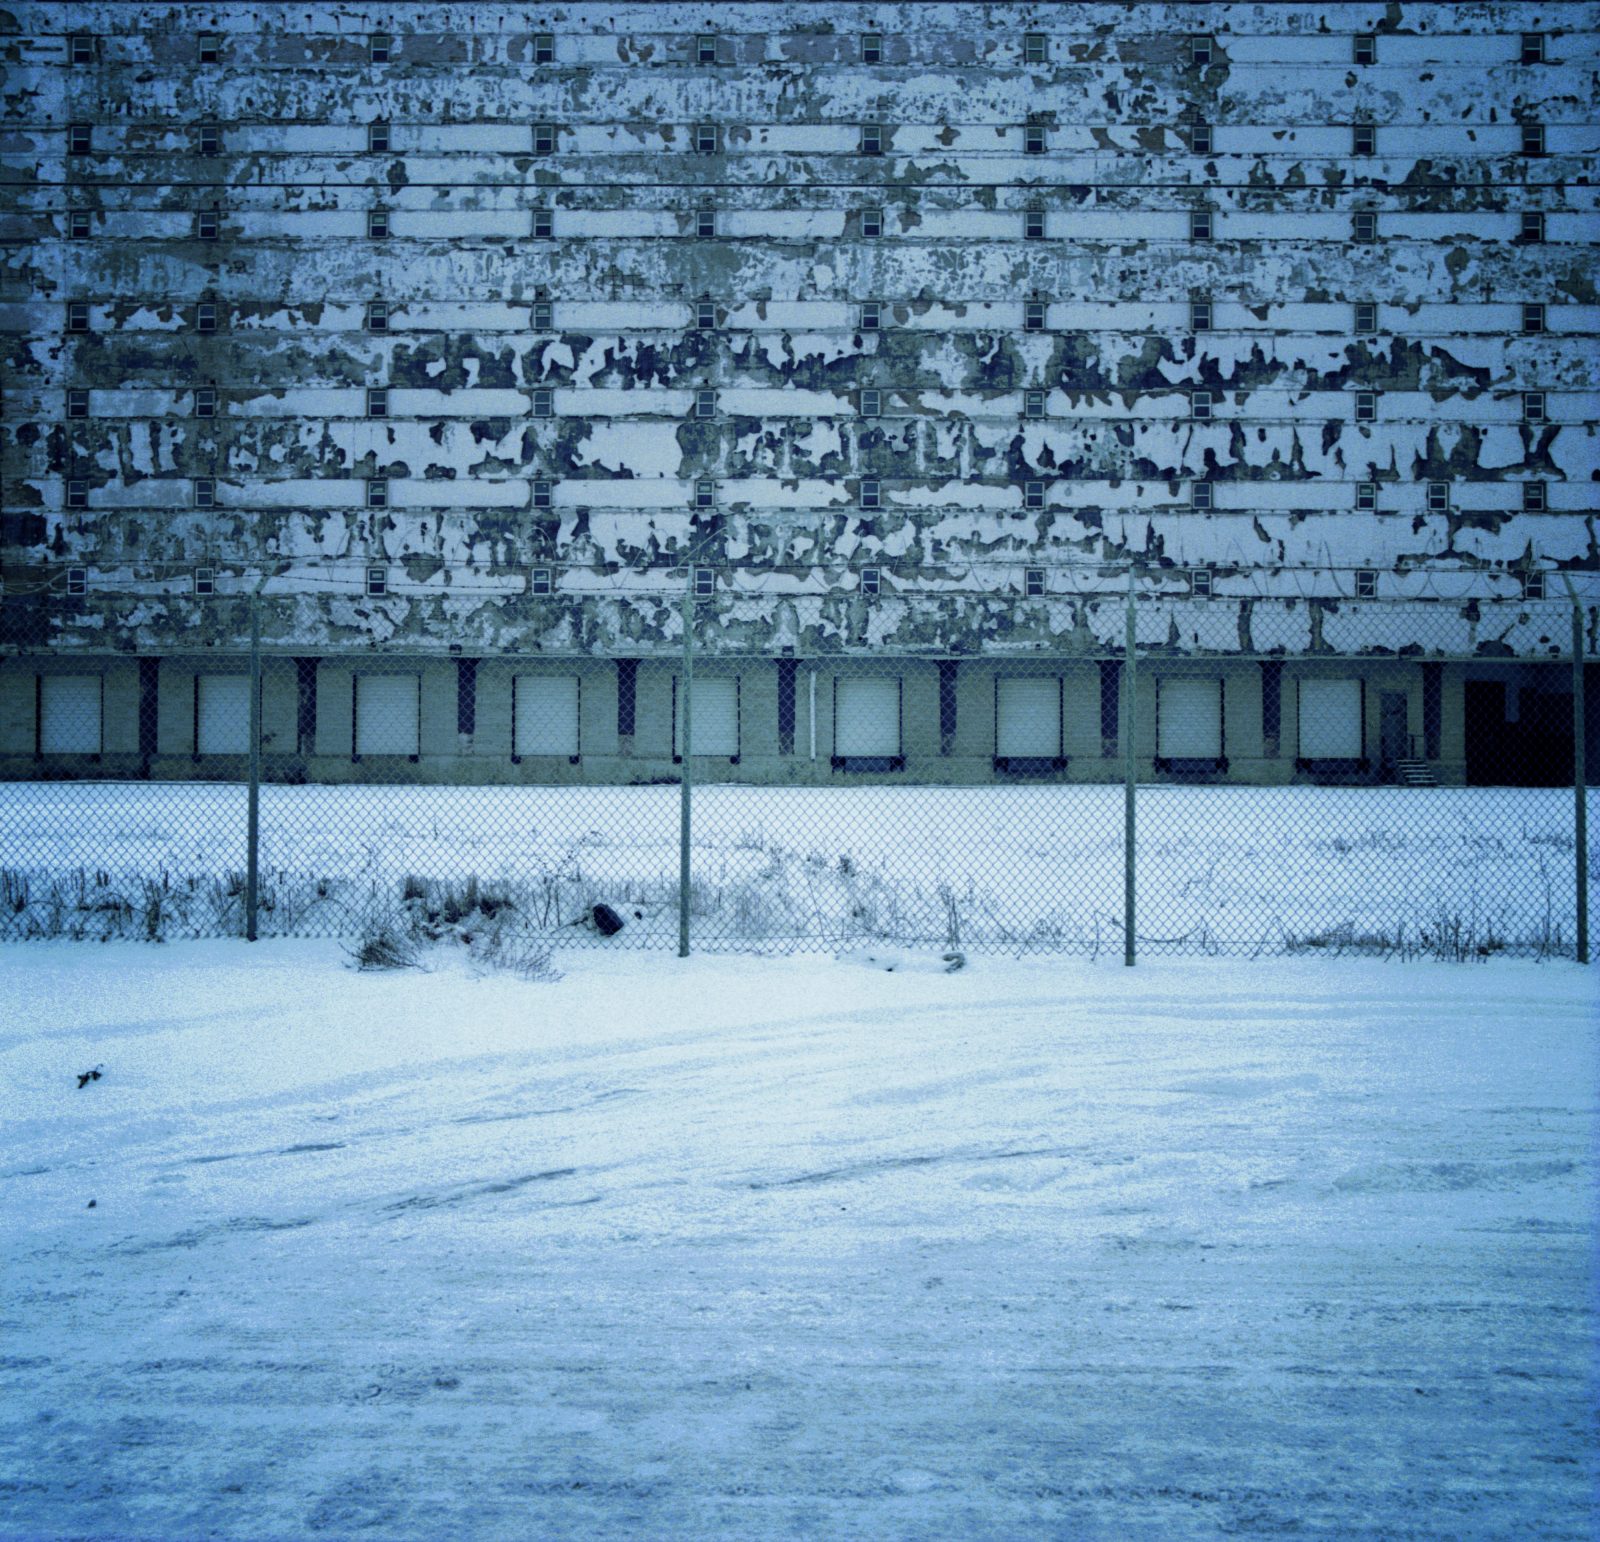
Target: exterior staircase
1415	773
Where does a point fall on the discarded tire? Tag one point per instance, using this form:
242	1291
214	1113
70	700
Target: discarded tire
606	921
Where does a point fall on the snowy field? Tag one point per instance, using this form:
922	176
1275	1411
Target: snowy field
1431	871
791	1248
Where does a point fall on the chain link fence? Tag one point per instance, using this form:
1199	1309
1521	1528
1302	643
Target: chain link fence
1383	777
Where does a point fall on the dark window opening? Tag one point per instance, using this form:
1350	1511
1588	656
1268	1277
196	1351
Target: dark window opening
1271	703
305	680
948	669
627	690
466	696
1110	704
786	695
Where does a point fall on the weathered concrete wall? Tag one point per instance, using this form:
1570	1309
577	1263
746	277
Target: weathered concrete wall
291	273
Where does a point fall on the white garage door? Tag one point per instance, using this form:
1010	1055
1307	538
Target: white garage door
867	716
546	715
222	703
1191	720
1330	720
69	714
386	714
715	718
1028	719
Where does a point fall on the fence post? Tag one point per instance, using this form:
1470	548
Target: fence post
252	853
1580	779
1129	783
686	782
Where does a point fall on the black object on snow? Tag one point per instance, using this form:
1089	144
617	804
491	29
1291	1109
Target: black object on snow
607	922
85	1077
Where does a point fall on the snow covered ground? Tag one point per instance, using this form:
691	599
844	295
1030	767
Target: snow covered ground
1018	868
794	1248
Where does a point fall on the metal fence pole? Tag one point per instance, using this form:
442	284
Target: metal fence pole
1580	779
686	782
253	816
1129	784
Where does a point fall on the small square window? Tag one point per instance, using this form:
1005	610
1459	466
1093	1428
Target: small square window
378	138
1366	317
1033	404
705	138
206	224
544	139
210	48
77	404
1364	226
544	224
78	316
871	223
705	48
1199	315
1533	318
1033	495
872	48
210	139
1366	497
1035	48
542	494
205	316
78	224
1533	406
79	139
1532	227
77	580
1364	139
377	316
1200	51
378	402
871	493
1438	497
1533	139
871	404
544	404
205	581
1200	225
871	315
705	582
1033	224
705	224
205	402
1033	582
1200	583
1033	139
82	48
544	48
1033	315
377	582
205	492
543	316
77	494
1366	584
1532	48
377	493
539	581
1200	495
1535	497
1533	586
378	48
1366	48
871	580
705	315
1200	138
705	404
871	139
377	224
1366	406
1200	405
705	495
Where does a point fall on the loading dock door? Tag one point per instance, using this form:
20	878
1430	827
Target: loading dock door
1191	720
1330	720
387	714
222	714
715	716
546	717
1028	719
69	714
866	719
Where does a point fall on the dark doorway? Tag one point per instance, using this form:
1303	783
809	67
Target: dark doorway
1523	740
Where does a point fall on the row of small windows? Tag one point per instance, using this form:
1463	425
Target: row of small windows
708	48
